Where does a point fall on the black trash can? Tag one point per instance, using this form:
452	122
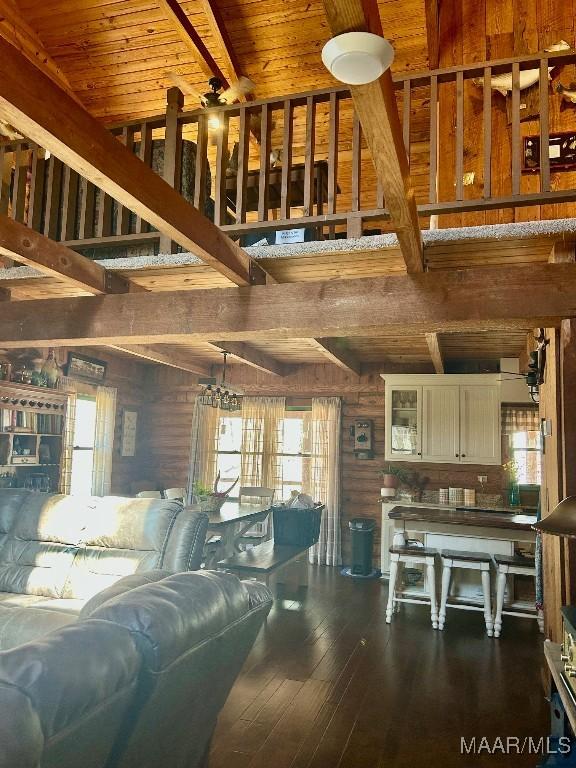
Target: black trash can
362	533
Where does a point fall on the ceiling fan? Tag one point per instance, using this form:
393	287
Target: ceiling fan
215	97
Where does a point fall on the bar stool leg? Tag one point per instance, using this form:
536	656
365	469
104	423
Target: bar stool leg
446	576
431	572
501	588
487	601
391	588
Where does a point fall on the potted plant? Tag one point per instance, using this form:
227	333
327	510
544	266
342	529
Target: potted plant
511	470
392	476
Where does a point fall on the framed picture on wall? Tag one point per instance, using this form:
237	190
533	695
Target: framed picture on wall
128	432
86	368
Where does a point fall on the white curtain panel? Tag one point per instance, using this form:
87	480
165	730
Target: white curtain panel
202	447
262	419
323	476
68	444
104	440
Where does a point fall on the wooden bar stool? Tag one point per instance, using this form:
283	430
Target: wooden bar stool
513	565
404	555
473	561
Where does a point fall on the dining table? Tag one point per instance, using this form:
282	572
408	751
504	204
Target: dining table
230	523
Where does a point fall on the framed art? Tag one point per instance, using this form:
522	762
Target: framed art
128	432
85	368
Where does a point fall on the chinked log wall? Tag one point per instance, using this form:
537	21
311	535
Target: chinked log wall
320	175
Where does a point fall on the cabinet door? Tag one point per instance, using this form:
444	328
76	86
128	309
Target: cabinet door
479	424
441	423
404	423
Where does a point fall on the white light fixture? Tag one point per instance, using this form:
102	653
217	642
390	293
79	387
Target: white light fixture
214	121
357	58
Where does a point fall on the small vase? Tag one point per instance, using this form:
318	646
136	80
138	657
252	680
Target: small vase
51	370
513	495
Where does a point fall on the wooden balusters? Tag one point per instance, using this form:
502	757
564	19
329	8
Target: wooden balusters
201	170
36	196
222	158
333	136
433	181
406	117
53	192
87	209
104	220
70	186
309	157
5	178
356	162
516	142
460	135
123	213
544	128
487	129
242	171
172	152
145	154
285	183
264	177
21	161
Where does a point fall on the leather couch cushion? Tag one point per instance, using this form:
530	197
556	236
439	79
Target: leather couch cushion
63	697
22	625
12	501
119	588
123	537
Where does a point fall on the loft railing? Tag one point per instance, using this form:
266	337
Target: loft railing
300	161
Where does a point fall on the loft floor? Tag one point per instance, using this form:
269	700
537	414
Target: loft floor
329	685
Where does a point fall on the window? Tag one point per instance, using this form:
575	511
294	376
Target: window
83	451
526	451
294	450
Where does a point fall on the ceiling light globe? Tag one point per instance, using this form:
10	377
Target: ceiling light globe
357	58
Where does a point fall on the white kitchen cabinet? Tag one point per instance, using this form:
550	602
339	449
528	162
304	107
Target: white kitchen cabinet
443	418
440	423
480	441
404	423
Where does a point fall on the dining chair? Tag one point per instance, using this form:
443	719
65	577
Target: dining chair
259	532
175	493
149	495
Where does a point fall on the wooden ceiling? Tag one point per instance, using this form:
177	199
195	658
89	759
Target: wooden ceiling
117	55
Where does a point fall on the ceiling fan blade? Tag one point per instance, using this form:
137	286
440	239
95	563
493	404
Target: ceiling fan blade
242	87
180	82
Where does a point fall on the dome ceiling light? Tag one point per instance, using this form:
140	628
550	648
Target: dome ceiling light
357	58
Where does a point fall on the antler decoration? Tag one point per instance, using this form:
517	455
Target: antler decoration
223	493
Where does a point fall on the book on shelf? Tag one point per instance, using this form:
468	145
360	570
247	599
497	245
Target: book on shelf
12	420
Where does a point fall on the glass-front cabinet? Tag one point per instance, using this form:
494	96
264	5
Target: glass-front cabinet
404	417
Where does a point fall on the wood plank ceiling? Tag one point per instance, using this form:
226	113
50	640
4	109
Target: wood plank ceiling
117	56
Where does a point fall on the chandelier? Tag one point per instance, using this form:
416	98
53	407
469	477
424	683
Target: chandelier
221	396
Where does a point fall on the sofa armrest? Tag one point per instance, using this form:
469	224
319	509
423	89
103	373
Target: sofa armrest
185	544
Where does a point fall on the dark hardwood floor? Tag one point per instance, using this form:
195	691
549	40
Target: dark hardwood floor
329	685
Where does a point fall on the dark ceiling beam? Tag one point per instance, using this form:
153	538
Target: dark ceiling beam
375	104
432	9
45	113
192	40
336	351
442	301
170	358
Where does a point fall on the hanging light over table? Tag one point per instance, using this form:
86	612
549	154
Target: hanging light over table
221	396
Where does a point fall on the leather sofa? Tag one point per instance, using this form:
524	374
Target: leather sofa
57	552
138	681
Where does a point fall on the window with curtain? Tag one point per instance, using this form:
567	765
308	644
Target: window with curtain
521	430
83	446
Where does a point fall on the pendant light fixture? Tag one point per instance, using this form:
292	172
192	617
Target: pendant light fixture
221	395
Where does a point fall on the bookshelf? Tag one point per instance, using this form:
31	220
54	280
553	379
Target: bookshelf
32	421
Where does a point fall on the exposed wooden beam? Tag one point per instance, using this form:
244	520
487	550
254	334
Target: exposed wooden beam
5	294
24	245
16	31
432	8
192	39
563	252
335	350
435	352
238	350
47	115
377	110
158	355
451	300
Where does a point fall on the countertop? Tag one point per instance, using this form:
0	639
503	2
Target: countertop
437	514
428	505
